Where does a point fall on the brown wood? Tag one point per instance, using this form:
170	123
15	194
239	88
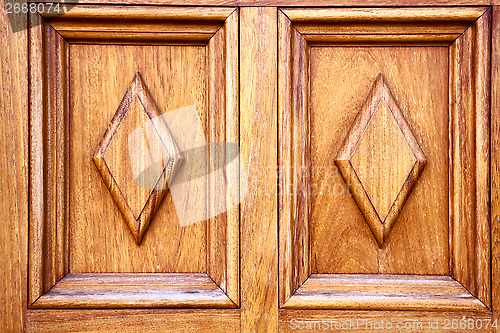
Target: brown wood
384	292
469	157
137	204
14	161
368	320
48	244
122	290
69	70
259	233
223	241
371	189
301	3
133	320
380	160
294	172
299	248
138	24
495	162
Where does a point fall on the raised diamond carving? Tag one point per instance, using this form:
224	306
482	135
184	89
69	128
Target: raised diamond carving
137	158
380	160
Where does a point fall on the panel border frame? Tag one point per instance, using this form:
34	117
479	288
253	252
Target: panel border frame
48	253
299	29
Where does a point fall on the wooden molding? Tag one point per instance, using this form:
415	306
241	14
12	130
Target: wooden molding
353	171
138	222
138	24
132	320
223	126
385	26
470	159
134	290
50	286
469	150
298	3
293	152
384	292
49	149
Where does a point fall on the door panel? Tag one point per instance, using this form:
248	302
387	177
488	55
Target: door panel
112	88
384	134
336	221
366	198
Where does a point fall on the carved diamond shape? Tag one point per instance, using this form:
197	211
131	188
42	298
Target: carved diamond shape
380	160
137	158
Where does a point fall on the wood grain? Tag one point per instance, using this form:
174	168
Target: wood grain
495	162
335	218
122	290
258	128
300	3
380	160
14	163
293	154
223	187
372	321
469	158
48	245
133	320
439	26
138	24
99	242
138	198
384	292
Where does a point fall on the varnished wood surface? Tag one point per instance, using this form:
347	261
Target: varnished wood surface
380	160
223	240
259	211
14	165
138	24
389	26
49	147
418	79
99	239
299	3
384	292
170	320
294	155
132	290
159	160
290	319
495	162
469	159
133	320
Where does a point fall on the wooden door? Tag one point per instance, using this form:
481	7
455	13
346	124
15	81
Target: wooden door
250	167
126	103
384	144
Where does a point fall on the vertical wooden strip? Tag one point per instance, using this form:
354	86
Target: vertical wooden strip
482	101
294	158
495	161
217	260
36	159
301	159
258	128
56	150
285	131
223	227
14	166
232	169
469	172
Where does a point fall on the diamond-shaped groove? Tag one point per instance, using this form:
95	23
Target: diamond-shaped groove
137	158
380	160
